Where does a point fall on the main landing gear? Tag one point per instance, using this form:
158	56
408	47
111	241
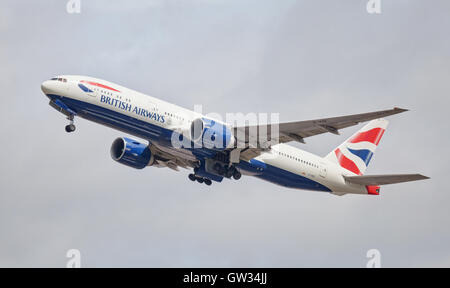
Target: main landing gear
199	179
228	172
71	127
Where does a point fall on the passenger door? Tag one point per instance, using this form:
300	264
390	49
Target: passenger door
323	169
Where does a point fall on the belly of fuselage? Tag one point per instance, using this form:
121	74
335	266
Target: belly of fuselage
280	176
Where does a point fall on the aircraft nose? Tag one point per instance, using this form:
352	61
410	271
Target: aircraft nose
46	87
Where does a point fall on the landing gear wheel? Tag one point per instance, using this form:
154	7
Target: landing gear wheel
192	177
237	175
70	128
229	172
200	180
208	182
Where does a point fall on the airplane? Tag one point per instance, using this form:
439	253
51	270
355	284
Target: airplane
269	158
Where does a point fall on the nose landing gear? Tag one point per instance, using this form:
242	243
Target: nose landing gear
71	127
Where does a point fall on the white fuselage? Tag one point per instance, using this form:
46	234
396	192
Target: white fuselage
167	116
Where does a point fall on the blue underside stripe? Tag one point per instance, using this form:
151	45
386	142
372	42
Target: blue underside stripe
280	176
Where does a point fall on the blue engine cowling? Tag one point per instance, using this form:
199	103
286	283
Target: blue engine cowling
211	134
131	153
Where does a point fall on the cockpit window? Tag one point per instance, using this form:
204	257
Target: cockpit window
59	79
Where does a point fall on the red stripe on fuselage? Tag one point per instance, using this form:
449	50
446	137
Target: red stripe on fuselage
373	136
99	85
346	163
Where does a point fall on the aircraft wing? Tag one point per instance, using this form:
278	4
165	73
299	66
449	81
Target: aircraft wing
375	180
298	131
172	158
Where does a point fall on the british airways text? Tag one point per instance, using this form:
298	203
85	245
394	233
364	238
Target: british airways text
128	107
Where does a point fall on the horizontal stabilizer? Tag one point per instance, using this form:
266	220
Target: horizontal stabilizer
372	180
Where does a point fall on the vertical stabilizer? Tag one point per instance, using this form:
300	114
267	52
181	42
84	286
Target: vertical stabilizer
355	153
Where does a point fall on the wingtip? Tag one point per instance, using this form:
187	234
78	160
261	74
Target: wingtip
400	110
424	177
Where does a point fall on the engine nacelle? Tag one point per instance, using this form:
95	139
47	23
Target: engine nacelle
131	153
211	134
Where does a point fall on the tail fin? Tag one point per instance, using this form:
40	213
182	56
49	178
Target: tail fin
355	153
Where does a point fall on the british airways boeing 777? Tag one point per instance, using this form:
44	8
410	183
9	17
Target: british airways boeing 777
179	137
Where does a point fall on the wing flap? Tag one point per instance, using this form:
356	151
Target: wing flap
172	158
373	180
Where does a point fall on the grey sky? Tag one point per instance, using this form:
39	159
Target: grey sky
303	59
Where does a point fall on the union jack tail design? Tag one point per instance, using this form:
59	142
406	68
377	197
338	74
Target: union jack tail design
356	153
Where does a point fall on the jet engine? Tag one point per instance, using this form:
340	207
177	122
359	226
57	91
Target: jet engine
211	134
131	153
